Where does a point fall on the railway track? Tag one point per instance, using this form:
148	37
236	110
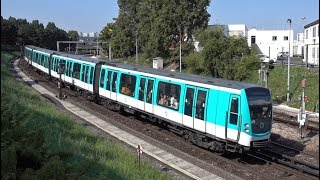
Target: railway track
310	125
291	165
170	139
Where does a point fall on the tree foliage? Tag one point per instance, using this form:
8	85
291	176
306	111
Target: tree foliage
221	54
157	25
20	32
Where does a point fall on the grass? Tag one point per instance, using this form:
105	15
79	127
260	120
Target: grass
278	85
40	142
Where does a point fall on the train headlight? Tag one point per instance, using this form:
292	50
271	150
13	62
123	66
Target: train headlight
246	130
246	125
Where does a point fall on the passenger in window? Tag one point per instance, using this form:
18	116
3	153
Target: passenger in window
188	108
149	96
163	99
173	101
141	92
125	90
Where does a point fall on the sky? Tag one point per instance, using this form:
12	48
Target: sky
93	15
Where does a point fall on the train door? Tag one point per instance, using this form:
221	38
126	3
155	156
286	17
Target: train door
86	77
114	84
195	108
233	118
149	95
141	95
200	110
109	83
188	114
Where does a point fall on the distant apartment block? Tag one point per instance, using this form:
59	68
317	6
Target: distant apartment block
90	34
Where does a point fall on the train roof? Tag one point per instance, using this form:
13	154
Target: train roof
188	77
80	57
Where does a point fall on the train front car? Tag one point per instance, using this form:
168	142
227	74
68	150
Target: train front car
256	117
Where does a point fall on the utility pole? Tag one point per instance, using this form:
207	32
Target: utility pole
69	43
180	46
110	45
288	83
136	46
302	116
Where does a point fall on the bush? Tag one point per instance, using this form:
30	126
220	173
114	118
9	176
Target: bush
245	67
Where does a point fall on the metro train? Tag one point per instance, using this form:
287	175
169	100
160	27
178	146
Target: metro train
217	114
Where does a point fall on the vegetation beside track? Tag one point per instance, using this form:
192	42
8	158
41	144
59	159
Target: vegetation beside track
39	142
278	84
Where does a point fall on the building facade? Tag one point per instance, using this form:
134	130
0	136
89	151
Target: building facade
271	42
237	30
298	46
311	43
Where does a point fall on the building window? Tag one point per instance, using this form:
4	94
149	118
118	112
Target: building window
253	39
313	52
306	33
285	38
274	38
314	30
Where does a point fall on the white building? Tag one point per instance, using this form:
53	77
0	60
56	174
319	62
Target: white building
271	42
311	41
237	30
298	45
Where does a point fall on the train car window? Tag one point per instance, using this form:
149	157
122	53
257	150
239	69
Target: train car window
39	59
201	104
128	84
189	102
82	72
114	81
52	62
63	62
43	60
168	95
76	70
70	68
234	111
102	77
109	80
34	57
150	91
142	89
56	66
86	74
91	74
46	65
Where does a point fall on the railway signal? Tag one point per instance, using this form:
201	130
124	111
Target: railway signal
302	116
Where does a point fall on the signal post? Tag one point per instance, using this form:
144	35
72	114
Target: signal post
302	116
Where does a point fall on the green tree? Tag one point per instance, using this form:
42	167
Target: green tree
9	31
157	24
74	36
54	34
221	52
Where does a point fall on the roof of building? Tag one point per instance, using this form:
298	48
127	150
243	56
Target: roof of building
312	24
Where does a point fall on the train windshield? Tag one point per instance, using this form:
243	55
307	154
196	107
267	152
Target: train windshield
260	106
